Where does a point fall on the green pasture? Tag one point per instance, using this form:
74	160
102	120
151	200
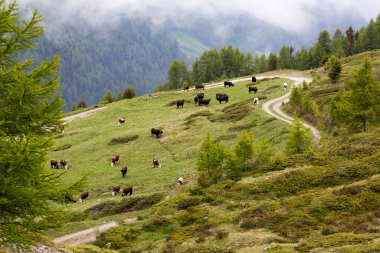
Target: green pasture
91	148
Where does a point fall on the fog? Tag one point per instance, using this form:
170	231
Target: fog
295	16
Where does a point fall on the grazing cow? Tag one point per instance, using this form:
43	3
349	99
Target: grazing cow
254	89
199	87
156	163
200	95
196	99
54	164
63	163
114	160
115	189
156	132
180	103
221	97
83	195
256	101
124	171
254	79
127	190
180	181
228	83
186	88
121	121
204	101
285	86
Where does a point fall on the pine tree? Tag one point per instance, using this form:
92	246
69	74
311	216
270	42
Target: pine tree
108	98
244	150
129	92
272	62
338	44
30	111
351	41
299	139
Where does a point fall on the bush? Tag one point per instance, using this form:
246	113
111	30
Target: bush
116	238
188	202
192	215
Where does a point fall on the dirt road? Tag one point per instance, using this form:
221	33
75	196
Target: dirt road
82	114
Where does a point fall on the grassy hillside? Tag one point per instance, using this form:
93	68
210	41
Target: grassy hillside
328	202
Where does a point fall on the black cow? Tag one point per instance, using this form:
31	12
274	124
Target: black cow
254	89
54	164
221	97
156	163
83	195
156	132
127	190
199	87
254	79
228	83
114	160
63	163
180	103
124	171
121	121
115	189
204	101
200	95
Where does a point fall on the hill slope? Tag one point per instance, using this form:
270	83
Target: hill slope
328	202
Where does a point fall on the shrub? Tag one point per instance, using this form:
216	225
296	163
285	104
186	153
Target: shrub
116	237
192	215
188	202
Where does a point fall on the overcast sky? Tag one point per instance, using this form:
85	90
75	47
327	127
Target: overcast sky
292	15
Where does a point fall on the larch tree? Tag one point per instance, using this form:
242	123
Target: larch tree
30	111
360	105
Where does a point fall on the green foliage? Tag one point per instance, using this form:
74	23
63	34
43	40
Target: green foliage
359	106
82	104
299	140
129	92
334	68
117	237
244	150
30	112
210	159
177	74
108	98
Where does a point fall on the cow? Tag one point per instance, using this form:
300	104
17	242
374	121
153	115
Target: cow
186	88
54	164
127	190
156	132
228	83
180	103
180	181
254	89
115	189
256	101
285	86
114	160
200	95
83	195
121	121
221	97
63	163
124	171
156	163
196	99
199	87
204	101
254	79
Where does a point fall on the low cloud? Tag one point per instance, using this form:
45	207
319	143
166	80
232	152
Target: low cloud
292	15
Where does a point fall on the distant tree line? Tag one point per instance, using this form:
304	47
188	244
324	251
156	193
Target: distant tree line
230	62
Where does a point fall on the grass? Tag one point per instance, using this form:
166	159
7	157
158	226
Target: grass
330	201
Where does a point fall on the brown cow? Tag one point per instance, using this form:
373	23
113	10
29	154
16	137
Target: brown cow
199	87
54	164
63	163
114	160
186	88
115	189
127	190
83	195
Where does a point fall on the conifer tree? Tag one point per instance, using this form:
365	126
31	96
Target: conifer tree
334	67
299	139
30	111
244	150
360	105
129	92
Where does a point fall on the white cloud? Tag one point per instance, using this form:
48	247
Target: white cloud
292	15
